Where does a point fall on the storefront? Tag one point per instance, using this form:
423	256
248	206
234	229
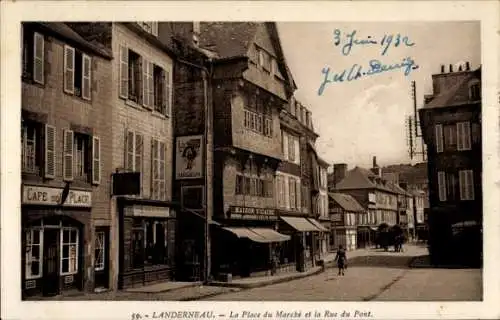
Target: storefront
246	243
54	241
147	230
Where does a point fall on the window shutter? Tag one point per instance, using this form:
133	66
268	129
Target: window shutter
439	137
69	69
68	155
460	141
151	84
38	58
297	194
168	93
50	152
442	186
470	184
162	186
154	166
463	185
123	72
145	83
466	135
129	150
96	160
138	152
86	76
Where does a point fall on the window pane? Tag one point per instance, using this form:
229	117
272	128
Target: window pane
65	265
65	236
65	251
35	268
73	235
35	252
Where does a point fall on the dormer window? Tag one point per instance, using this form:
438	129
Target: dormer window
151	27
196	28
474	90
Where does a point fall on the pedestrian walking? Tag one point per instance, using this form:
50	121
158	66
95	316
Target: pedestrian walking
341	259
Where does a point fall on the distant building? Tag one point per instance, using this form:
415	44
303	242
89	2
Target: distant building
451	127
346	214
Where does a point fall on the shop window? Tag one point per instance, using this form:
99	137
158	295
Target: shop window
77	73
34	248
155	234
137	247
99	250
33	55
69	246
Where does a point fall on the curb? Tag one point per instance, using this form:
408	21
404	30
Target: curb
267	283
208	295
187	285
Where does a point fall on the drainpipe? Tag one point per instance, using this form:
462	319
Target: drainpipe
208	160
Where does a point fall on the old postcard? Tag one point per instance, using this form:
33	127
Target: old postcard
257	160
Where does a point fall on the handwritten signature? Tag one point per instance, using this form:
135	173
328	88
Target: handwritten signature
386	42
357	71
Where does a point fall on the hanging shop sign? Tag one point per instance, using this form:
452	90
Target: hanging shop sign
189	157
36	195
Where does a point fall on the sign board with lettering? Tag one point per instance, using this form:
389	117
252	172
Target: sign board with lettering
189	157
36	195
249	213
147	211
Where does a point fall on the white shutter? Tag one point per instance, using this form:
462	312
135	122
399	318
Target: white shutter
167	96
50	152
466	181
466	135
86	77
297	150
69	69
154	166
96	160
442	185
138	152
145	82
129	150
285	145
470	184
439	137
460	142
68	155
298	190
151	85
38	58
161	170
123	72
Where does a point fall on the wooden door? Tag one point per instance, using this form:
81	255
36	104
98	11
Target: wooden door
51	262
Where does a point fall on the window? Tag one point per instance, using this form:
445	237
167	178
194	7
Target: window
442	185
158	187
81	157
69	256
33	58
32	147
438	132
466	180
292	192
196	27
450	137
239	184
77	73
291	148
99	250
156	242
151	27
134	76
274	67
34	248
451	186
258	123
463	136
134	151
474	91
261	57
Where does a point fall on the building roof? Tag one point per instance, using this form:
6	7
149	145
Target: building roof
347	202
361	178
63	30
456	95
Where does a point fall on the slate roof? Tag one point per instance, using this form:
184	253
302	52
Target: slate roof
347	202
66	32
456	95
228	39
361	178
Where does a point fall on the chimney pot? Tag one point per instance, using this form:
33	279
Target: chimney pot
451	68
460	68
467	66
442	68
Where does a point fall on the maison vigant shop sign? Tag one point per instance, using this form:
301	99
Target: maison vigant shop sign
52	196
249	213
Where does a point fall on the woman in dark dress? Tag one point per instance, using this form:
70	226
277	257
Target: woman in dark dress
341	259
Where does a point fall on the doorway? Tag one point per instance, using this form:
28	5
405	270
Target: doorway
101	257
51	262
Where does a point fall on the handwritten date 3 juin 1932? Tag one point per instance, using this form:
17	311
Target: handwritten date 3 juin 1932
357	71
349	40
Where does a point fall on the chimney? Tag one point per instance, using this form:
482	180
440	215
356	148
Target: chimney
442	68
374	162
451	68
467	66
460	68
339	173
403	185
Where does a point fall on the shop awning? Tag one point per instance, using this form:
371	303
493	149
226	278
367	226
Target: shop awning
317	225
300	224
271	235
262	235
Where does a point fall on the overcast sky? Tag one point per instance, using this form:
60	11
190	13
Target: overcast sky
363	118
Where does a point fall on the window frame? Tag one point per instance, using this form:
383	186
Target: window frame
100	245
464	141
28	258
69	244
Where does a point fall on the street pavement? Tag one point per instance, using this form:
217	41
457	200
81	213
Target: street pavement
372	275
375	275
